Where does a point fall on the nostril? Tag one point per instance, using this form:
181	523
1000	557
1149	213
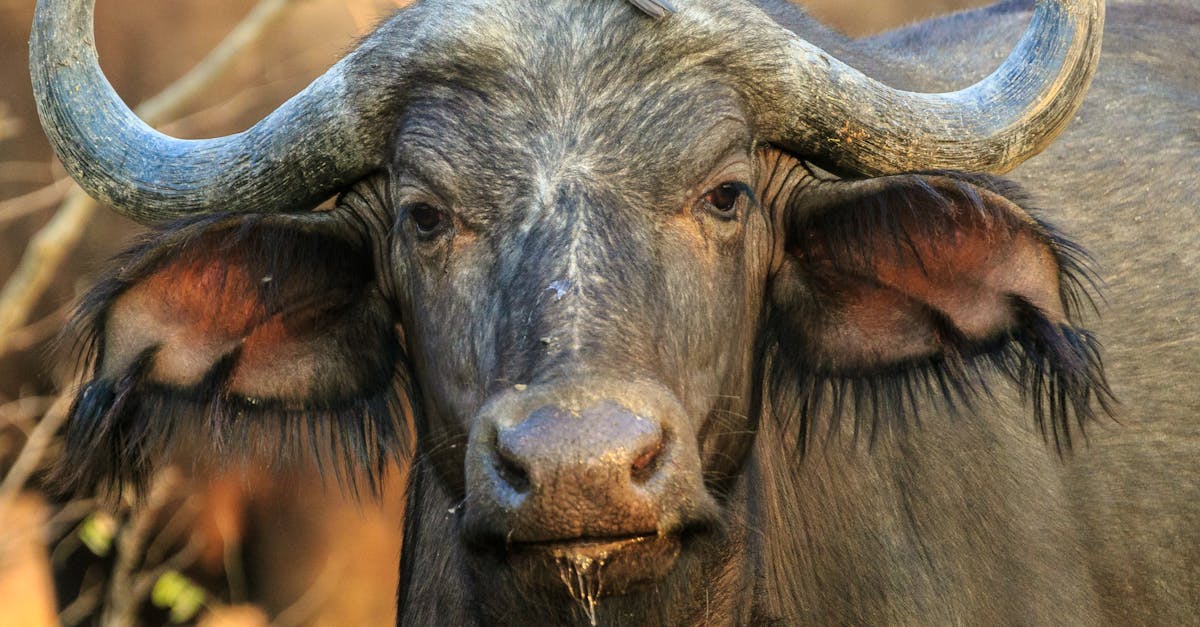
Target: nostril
511	472
645	465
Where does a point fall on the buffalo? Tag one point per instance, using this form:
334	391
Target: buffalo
688	319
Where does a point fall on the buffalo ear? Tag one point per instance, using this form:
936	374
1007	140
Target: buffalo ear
240	335
900	286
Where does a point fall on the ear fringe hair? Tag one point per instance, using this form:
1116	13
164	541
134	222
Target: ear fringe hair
121	430
1057	367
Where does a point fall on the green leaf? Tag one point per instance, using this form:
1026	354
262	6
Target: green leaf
176	592
187	605
97	533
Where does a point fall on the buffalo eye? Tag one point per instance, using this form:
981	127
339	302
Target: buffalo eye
428	219
722	200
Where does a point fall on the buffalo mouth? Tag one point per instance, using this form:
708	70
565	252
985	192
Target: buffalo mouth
592	568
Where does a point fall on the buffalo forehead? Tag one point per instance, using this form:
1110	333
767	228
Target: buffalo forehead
586	94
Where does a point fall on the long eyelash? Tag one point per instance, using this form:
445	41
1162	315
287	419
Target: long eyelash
120	432
1057	367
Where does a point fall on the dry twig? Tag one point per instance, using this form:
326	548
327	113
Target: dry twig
42	259
34	201
82	606
68	516
24	408
126	588
167	102
26	171
30	456
9	125
39	331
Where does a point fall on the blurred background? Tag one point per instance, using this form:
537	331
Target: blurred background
206	546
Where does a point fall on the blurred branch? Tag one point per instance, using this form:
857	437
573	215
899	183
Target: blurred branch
127	588
34	201
68	516
43	257
168	101
137	573
25	171
177	526
27	337
83	606
23	409
50	246
303	609
235	107
30	456
9	125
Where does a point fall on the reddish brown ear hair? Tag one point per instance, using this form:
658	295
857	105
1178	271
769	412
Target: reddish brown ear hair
263	333
911	285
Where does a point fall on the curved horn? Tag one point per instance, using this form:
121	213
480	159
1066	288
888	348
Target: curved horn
819	106
293	159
